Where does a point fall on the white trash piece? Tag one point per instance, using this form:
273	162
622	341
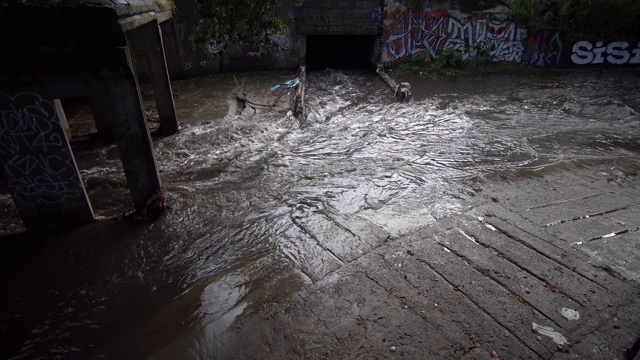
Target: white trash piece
548	331
570	314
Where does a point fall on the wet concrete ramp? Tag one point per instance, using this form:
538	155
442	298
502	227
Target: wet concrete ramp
473	286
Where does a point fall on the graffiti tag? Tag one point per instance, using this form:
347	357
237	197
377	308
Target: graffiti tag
616	52
546	48
35	155
280	41
410	35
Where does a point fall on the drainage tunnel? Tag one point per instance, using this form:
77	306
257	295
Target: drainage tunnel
340	52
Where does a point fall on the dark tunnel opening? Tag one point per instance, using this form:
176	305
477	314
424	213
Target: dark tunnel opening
340	52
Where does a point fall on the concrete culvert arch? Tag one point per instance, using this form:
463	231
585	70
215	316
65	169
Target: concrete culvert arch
340	33
340	52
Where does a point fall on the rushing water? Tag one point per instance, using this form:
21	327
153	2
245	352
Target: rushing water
247	193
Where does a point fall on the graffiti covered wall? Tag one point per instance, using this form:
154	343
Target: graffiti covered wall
408	33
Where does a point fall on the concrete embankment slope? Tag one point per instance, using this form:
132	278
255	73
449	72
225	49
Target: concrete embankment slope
502	279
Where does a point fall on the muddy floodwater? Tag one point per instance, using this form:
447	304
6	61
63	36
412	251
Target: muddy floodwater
250	193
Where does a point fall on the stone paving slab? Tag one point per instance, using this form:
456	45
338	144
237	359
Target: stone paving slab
621	253
628	217
315	262
526	288
471	284
540	245
585	230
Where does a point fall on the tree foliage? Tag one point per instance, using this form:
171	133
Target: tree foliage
582	19
240	21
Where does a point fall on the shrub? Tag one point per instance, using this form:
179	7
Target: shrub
606	20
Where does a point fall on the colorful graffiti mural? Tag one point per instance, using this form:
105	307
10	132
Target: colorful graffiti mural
545	49
411	33
616	53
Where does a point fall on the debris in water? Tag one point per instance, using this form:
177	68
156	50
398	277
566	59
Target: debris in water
570	314
548	331
393	349
153	208
495	355
403	91
289	84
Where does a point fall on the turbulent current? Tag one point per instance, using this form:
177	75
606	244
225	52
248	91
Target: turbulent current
257	200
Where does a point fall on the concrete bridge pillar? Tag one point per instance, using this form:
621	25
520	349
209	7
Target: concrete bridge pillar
38	163
119	94
76	49
147	38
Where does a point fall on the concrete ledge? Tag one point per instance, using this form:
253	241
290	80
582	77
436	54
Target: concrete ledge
132	22
164	16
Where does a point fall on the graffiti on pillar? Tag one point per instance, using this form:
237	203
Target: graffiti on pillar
35	155
545	48
413	32
615	52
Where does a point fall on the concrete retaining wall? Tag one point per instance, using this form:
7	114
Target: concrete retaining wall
401	30
286	49
336	17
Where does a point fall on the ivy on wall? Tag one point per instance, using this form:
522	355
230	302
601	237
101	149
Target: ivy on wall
239	21
582	19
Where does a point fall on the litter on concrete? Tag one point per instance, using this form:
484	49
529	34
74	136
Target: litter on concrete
570	314
550	332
